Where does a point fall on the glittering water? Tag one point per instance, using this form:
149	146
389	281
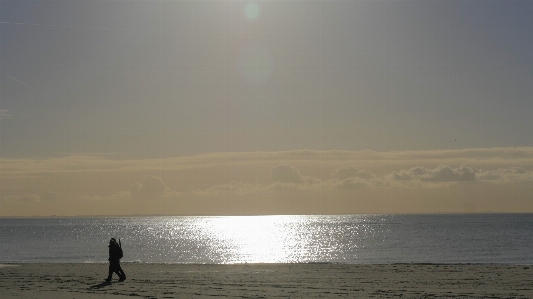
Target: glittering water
490	238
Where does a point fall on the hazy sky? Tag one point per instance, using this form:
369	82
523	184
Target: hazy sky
265	107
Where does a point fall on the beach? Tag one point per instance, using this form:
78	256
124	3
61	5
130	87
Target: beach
86	280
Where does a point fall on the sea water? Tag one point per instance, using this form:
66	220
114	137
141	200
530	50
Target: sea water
350	239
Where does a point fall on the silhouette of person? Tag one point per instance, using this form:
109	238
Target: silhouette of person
115	254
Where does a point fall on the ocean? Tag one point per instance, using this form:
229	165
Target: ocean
345	239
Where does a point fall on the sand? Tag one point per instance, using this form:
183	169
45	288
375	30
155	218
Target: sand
267	281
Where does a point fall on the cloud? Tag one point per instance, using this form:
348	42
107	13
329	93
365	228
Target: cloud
477	154
286	174
464	173
444	173
107	178
288	178
233	187
22	198
4	114
440	174
284	178
411	174
518	170
308	185
352	183
350	178
266	183
352	172
490	176
92	164
417	171
513	174
49	196
89	198
152	187
401	176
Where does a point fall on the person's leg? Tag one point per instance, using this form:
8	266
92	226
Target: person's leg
121	273
110	273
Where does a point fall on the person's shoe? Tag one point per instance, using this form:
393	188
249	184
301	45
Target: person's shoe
108	279
122	278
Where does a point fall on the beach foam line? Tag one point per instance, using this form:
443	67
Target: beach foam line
6	265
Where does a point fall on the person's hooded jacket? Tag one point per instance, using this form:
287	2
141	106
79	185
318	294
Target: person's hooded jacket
114	251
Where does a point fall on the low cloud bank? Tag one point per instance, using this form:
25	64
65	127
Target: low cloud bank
443	173
90	178
151	187
286	174
86	163
464	173
47	196
286	177
352	172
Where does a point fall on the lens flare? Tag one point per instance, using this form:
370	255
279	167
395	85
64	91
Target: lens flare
252	11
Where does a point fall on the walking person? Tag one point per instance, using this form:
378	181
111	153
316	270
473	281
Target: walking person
115	254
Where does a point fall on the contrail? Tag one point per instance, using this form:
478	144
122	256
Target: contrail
19	81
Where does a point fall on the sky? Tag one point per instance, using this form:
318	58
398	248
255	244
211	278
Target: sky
220	107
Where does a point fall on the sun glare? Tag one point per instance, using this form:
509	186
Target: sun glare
258	239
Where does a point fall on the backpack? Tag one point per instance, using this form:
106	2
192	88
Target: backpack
120	252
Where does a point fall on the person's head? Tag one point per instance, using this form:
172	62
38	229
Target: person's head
113	241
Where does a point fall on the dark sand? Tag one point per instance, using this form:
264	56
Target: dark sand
267	281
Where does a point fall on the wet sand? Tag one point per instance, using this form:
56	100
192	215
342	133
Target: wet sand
267	281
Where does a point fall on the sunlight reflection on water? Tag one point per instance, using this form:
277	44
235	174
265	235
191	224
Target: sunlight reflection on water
279	239
267	239
272	239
